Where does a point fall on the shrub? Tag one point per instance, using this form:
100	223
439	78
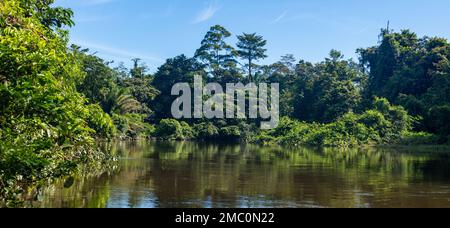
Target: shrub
188	132
384	124
121	123
101	122
265	139
377	123
401	122
294	132
420	138
319	137
170	129
148	130
347	131
132	126
248	131
206	131
231	132
286	127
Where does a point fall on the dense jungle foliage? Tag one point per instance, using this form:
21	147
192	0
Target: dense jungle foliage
57	99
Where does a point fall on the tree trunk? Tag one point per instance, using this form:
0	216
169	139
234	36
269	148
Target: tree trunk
250	70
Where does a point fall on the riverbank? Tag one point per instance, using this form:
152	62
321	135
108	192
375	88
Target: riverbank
18	186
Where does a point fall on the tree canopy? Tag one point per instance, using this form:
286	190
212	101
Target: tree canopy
216	54
251	48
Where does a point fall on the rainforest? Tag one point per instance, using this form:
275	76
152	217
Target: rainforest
61	105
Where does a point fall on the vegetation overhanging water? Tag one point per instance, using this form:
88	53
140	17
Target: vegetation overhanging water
56	98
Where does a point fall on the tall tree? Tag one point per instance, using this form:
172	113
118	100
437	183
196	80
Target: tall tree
139	83
101	82
283	73
215	53
251	48
176	70
412	72
327	90
139	70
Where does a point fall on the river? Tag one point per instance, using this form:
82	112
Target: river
211	175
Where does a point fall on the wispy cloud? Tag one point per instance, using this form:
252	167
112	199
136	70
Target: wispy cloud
116	52
207	13
279	18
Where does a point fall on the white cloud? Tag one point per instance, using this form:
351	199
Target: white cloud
116	52
207	13
279	18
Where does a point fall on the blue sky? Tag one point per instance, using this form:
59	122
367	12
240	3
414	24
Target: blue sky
155	30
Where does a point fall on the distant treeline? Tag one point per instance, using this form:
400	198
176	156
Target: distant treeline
396	93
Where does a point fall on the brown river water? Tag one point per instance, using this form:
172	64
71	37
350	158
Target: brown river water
216	175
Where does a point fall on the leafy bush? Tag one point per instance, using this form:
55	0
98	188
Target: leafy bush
347	131
133	126
401	122
188	132
230	132
101	122
420	138
288	132
171	129
385	124
206	131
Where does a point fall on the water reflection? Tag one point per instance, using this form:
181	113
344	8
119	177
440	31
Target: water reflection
185	174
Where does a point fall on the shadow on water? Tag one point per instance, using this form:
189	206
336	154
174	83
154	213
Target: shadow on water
187	174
